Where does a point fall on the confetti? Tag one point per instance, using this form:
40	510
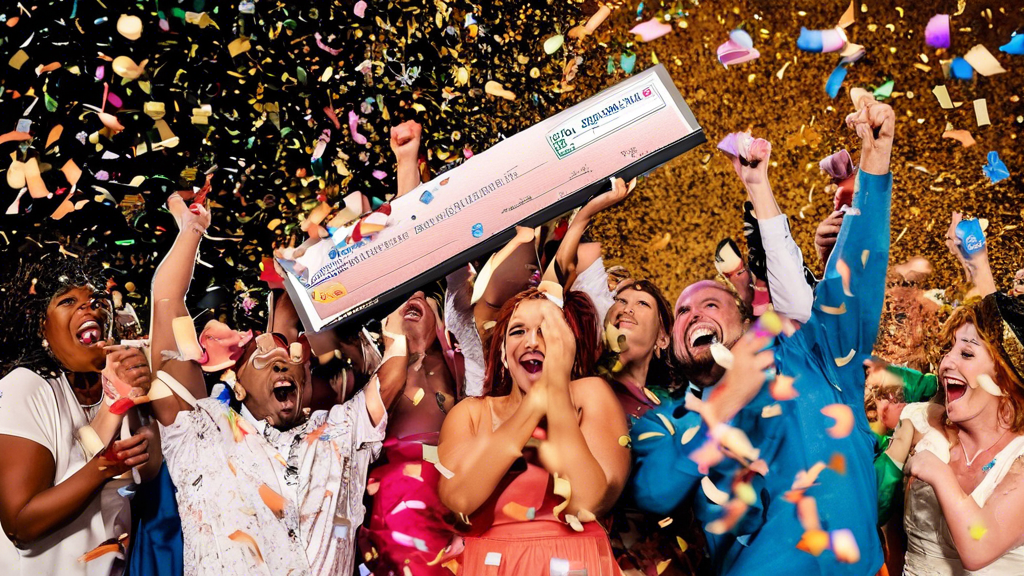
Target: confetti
986	383
962	136
936	34
995	169
1014	46
844	546
831	40
713	493
250	542
983	61
651	30
977	531
981	112
835	81
943	96
843	417
274	501
814	542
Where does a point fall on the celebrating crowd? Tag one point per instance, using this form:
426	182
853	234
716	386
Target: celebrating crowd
543	415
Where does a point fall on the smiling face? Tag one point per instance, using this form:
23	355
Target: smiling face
705	313
635	314
273	380
524	342
959	370
75	326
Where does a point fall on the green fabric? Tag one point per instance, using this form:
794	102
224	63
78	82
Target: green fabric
890	486
917	387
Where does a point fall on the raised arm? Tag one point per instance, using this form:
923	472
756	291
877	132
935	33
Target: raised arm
975	266
563	269
394	368
170	284
405	143
479	457
848	302
791	295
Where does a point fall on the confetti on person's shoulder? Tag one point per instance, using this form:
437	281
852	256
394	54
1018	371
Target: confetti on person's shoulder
651	29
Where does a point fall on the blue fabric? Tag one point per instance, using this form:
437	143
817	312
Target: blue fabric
764	540
156	535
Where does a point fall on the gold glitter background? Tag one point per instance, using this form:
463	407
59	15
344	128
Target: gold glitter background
697	197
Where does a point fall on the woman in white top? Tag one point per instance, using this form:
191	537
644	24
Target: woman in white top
58	502
964	507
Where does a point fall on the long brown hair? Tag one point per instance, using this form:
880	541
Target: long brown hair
661	371
580	315
984	315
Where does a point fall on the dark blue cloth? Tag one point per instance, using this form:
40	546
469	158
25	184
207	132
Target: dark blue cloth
156	548
825	357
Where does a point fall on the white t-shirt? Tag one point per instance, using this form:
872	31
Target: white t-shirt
254	500
47	413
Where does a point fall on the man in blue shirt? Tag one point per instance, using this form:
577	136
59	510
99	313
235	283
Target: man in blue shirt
748	501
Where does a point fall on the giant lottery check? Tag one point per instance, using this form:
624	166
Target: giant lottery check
545	170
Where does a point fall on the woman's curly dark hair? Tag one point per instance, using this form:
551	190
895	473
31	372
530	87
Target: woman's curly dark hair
29	279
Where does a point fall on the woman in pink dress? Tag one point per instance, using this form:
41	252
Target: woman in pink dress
534	462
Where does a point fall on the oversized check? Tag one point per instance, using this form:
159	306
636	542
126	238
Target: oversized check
471	210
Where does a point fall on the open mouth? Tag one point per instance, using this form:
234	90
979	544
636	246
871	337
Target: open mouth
532	362
702	335
89	333
285	391
414	311
955	389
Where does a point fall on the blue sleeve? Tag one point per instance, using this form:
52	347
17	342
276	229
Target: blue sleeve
664	475
848	312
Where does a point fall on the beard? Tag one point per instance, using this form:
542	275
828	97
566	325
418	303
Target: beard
701	369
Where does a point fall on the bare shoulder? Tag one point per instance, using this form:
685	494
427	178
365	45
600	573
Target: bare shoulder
467	411
593	392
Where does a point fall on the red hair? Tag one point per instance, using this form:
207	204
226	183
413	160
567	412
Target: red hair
580	315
